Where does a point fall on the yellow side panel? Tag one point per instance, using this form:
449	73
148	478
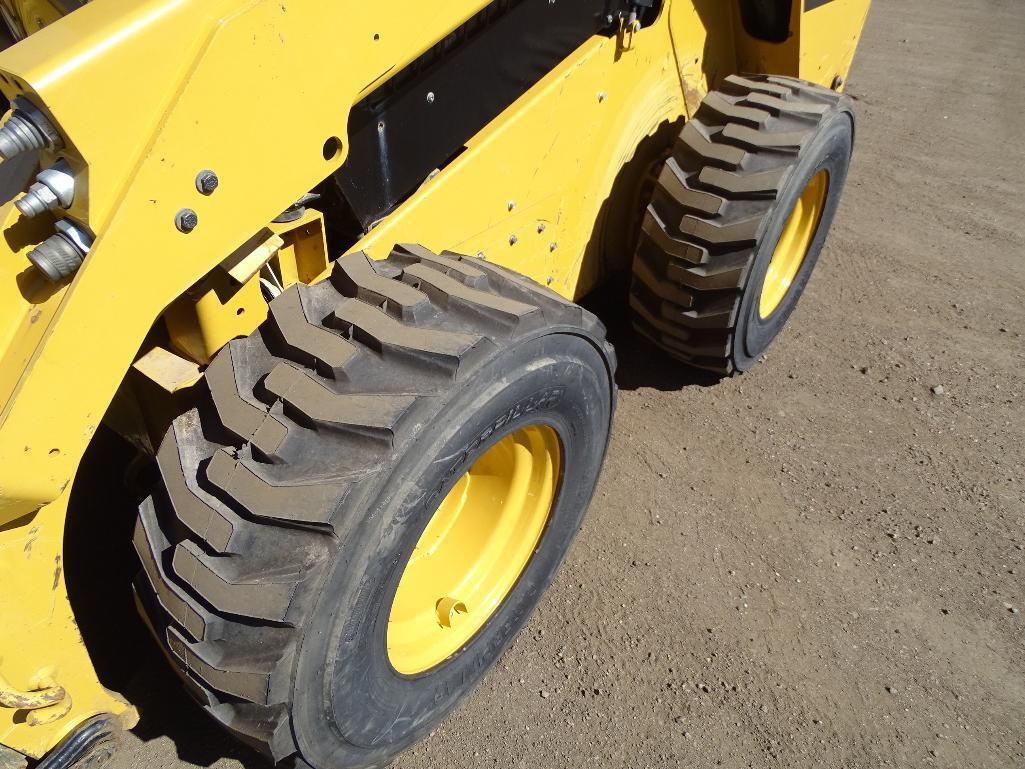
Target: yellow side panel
823	38
829	38
705	47
758	56
39	640
529	190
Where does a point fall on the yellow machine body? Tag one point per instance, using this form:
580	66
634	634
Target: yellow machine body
147	93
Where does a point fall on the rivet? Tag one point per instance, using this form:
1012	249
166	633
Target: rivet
430	97
512	204
513	240
602	96
540	228
553	246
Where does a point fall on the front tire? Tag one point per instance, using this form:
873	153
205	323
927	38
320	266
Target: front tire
738	219
304	496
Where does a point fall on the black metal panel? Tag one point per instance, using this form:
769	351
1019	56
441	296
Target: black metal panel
423	117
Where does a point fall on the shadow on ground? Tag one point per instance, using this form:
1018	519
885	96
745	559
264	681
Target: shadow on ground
641	364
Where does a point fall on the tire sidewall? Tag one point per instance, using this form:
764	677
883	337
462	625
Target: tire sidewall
349	703
830	149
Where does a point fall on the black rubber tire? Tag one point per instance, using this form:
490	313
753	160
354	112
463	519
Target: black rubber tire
718	210
293	496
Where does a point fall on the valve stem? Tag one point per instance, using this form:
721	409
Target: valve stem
27	130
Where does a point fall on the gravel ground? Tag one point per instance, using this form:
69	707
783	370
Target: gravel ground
820	563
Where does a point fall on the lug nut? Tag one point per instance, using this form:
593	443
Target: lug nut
26	130
186	221
54	188
207	182
61	255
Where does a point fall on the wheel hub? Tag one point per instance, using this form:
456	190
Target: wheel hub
794	244
475	548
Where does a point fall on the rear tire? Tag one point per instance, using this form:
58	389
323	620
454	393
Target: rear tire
293	497
722	203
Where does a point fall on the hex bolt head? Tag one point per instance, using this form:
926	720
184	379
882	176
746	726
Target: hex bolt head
186	221
54	188
38	199
207	182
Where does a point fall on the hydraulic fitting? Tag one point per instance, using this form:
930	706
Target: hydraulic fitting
54	188
61	255
27	129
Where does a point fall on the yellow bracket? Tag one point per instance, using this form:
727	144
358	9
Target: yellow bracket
229	302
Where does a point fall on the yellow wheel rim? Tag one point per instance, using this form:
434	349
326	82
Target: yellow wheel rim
794	244
474	549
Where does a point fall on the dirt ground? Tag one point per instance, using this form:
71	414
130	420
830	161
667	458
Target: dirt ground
821	563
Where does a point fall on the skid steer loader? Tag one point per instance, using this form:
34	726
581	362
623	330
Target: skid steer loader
317	262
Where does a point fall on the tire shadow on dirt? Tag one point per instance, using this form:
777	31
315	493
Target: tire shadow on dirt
641	364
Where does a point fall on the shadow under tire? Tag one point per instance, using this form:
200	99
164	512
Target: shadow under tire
738	219
294	497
